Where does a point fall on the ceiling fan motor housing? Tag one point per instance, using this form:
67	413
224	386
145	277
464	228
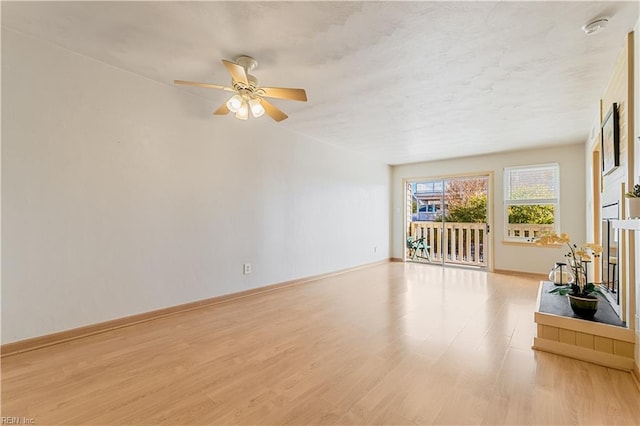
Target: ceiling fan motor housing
247	62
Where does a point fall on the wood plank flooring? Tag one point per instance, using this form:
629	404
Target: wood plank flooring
390	344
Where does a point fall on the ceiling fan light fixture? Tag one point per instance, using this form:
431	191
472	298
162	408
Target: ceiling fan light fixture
243	111
234	103
256	107
248	95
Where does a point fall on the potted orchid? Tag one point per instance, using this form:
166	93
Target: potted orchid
582	294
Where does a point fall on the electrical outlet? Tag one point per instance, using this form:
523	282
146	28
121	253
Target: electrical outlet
375	249
246	268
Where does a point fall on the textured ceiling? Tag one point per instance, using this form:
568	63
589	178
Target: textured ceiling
398	81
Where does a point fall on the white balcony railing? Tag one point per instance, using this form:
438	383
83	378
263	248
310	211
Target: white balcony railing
525	230
464	243
460	243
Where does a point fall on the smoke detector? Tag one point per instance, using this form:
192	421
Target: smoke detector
595	26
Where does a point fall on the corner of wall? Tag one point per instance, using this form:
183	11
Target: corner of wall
636	160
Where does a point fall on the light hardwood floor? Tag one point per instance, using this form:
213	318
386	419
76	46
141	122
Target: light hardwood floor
390	344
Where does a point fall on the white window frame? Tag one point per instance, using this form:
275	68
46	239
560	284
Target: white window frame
507	202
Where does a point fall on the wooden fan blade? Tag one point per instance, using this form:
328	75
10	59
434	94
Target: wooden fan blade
285	93
273	112
237	72
223	110
210	86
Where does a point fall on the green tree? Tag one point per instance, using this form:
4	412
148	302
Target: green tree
466	201
473	211
542	214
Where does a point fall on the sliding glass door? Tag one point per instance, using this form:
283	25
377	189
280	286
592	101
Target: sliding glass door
447	221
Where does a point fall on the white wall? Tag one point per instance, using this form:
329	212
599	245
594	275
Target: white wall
510	257
122	195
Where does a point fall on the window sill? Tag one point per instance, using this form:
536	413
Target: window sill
528	244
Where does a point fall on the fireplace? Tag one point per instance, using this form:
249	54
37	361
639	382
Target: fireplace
610	269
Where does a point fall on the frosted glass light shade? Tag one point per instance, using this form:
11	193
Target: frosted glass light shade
256	108
234	103
243	111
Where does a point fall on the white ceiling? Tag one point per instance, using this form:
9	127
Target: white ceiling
398	81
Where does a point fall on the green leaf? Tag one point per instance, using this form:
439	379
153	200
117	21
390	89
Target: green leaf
562	290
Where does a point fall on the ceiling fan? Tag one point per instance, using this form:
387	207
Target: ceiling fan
248	94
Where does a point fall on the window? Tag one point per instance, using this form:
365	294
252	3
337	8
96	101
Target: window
531	201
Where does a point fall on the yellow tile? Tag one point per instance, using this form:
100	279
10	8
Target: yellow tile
567	336
551	333
584	340
603	344
624	349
